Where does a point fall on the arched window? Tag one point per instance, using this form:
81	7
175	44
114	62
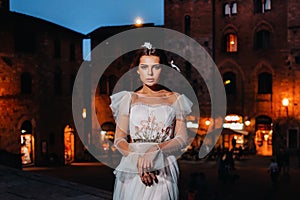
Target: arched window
187	25
229	79
262	39
26	83
265	83
234	8
258	6
227	9
231	42
267	5
261	6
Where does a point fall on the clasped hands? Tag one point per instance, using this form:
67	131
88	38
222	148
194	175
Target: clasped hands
145	167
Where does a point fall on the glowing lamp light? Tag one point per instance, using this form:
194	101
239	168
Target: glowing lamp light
285	102
84	113
138	21
207	122
247	122
227	82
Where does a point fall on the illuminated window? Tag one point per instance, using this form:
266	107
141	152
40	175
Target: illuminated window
26	83
262	39
229	79
265	83
227	9
267	5
230	9
231	42
234	8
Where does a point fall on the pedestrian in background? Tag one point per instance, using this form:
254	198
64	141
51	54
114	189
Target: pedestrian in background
273	171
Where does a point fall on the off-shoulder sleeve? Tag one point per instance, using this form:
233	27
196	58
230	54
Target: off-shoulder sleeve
182	107
120	106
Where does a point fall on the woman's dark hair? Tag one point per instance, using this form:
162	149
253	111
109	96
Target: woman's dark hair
144	51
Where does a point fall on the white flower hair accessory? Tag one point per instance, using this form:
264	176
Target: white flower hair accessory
147	45
174	66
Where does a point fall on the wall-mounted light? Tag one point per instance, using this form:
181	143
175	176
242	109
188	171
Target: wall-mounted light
285	103
247	122
84	113
207	122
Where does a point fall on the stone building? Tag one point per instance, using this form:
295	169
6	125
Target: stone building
255	44
38	65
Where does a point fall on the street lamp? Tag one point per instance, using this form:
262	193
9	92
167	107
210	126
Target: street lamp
138	21
285	103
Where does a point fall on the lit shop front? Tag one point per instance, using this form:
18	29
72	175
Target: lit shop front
233	133
69	144
27	143
263	135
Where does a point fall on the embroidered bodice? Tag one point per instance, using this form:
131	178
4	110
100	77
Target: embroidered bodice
149	118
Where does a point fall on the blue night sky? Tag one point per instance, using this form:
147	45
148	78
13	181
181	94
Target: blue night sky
85	16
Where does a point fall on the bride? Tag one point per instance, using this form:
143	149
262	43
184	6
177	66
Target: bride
154	118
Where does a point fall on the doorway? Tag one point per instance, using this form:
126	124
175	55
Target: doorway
27	143
69	144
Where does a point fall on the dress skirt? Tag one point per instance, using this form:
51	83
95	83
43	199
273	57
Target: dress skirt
130	187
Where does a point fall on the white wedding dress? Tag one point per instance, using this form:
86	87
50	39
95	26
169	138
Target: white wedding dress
149	120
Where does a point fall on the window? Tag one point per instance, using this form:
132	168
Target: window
261	6
227	9
267	5
58	82
26	83
187	25
72	52
265	83
234	8
57	52
262	39
231	42
230	9
229	79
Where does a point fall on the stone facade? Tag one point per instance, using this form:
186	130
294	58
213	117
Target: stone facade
265	36
38	65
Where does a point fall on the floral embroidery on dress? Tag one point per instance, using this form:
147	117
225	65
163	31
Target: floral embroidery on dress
151	130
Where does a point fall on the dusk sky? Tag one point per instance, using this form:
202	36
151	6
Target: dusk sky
85	16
